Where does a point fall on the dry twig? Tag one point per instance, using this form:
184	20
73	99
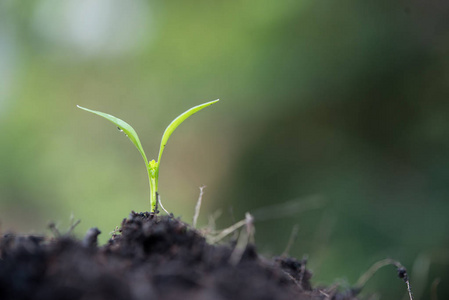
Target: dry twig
402	273
198	206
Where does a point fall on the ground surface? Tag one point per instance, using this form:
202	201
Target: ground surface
152	257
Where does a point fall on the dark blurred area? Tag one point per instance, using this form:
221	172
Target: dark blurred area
344	102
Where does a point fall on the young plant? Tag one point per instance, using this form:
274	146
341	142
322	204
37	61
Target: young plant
152	166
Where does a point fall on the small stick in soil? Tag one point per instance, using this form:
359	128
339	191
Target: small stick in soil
293	279
72	227
226	232
250	229
402	273
245	237
324	294
160	203
330	292
198	206
433	289
291	240
240	247
54	230
115	232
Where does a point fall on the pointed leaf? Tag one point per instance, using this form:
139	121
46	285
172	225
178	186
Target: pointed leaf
122	126
176	122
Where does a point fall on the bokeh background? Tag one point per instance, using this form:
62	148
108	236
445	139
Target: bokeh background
333	116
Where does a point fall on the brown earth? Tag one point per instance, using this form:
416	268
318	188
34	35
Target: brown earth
150	257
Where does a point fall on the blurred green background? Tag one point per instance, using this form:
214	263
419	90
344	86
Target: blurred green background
346	102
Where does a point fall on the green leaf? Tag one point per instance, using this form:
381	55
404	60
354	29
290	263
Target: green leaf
122	126
176	122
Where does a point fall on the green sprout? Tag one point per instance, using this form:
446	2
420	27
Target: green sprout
152	166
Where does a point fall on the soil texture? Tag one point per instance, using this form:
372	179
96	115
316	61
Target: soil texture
150	257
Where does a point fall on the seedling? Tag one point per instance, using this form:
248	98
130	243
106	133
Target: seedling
152	166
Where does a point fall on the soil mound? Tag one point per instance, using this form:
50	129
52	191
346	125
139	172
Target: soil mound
150	257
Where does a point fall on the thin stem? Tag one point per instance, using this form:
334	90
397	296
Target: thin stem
160	203
150	186
225	232
153	191
240	247
198	206
402	273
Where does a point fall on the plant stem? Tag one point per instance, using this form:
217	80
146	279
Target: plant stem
153	174
153	190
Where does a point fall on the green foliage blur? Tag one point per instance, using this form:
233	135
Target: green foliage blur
343	101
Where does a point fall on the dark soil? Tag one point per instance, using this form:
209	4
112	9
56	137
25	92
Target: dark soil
152	257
